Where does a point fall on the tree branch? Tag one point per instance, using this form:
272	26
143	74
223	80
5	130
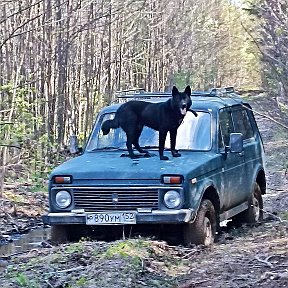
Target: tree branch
10	146
6	123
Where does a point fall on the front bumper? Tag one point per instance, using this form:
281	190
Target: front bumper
154	217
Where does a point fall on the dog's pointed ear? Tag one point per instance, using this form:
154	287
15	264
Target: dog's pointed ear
188	90
174	91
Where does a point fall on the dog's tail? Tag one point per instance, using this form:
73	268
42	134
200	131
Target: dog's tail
108	124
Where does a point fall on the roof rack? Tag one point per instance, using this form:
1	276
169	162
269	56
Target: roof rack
221	91
141	94
130	91
145	95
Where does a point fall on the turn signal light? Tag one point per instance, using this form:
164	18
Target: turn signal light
62	179
172	179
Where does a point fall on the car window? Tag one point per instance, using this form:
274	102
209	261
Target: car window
242	123
225	128
194	133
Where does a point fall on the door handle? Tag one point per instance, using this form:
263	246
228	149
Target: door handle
241	154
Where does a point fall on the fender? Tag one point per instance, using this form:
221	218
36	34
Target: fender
197	191
259	168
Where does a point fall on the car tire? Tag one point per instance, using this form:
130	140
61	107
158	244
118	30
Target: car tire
203	229
59	234
66	233
254	213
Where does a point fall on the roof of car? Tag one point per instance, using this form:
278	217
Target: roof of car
202	100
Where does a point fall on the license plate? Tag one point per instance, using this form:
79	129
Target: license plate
111	218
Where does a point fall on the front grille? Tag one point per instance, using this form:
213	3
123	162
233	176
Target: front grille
128	198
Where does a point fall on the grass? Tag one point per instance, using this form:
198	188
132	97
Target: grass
13	197
23	281
128	248
118	264
75	247
284	215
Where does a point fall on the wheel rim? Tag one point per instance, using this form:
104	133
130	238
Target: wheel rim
208	232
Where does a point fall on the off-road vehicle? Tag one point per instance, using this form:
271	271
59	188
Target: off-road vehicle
219	176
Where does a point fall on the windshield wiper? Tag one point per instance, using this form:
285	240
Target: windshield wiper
150	147
107	148
155	147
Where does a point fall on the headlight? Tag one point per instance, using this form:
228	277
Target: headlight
63	199
172	199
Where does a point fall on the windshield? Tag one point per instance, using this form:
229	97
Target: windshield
193	134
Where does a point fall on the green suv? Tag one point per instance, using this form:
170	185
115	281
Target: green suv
219	176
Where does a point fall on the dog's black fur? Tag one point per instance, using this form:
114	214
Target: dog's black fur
163	117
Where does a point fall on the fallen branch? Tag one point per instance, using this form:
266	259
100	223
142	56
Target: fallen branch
255	111
49	284
4	111
274	216
269	117
275	275
265	261
276	189
71	269
188	255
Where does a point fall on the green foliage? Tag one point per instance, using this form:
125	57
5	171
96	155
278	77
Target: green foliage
182	79
21	108
75	247
22	129
284	215
23	281
134	249
81	282
38	180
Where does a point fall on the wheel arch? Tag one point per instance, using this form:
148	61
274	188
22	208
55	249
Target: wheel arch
211	194
261	180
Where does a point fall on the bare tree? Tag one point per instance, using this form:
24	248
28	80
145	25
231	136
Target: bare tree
62	60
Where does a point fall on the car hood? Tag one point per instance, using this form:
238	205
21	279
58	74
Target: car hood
109	165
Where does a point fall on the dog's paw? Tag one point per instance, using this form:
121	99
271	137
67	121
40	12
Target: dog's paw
164	158
147	155
176	154
134	156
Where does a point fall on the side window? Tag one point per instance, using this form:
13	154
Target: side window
242	123
225	128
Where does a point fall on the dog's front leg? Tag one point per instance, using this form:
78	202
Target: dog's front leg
162	138
173	134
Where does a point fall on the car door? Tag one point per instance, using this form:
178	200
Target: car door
233	177
242	124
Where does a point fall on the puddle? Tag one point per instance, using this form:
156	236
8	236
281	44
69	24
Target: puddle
25	242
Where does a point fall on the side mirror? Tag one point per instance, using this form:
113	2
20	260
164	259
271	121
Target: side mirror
74	148
236	142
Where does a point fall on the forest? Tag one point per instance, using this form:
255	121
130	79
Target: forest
63	60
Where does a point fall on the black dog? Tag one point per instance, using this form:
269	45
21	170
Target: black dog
163	117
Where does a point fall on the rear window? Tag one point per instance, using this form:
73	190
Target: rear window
242	123
235	121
